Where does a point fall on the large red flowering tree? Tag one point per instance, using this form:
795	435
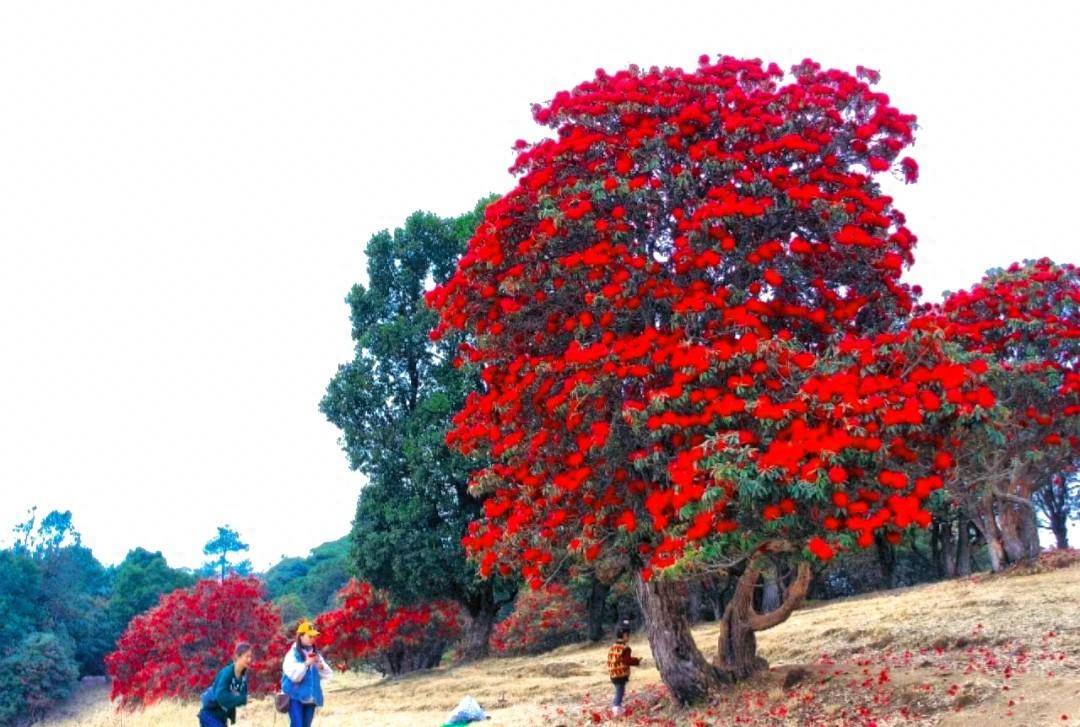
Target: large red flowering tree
1025	322
177	647
688	315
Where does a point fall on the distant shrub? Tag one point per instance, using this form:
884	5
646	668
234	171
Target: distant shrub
40	673
541	620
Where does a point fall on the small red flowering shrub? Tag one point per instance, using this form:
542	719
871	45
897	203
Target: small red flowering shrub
177	647
357	627
366	629
421	634
541	620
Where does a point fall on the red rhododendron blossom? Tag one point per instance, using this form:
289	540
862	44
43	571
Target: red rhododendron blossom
821	549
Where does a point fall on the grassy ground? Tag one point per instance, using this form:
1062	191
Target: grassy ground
982	651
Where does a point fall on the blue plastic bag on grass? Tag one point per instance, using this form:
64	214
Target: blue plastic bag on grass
467	710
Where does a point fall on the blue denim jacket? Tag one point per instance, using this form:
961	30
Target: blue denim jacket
309	690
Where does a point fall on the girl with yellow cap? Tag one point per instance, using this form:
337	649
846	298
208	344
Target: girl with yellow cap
303	671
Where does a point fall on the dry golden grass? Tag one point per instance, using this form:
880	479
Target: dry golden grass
976	637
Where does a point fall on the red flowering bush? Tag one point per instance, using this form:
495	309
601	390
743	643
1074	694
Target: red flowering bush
177	647
366	630
421	634
689	323
541	620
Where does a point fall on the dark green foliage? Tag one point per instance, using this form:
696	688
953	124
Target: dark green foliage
39	673
51	583
292	608
140	579
305	587
73	604
393	403
54	624
20	588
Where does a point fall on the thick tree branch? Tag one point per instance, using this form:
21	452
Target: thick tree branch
792	600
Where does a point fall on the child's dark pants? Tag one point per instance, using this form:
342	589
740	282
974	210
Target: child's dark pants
620	690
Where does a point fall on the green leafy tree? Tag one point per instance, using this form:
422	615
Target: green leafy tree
305	587
62	585
74	603
393	403
221	547
292	608
140	579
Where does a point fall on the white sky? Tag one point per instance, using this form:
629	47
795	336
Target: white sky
186	189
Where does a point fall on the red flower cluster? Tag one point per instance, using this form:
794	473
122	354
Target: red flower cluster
542	620
685	317
1026	320
177	647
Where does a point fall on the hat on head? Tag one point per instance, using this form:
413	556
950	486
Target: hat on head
306	628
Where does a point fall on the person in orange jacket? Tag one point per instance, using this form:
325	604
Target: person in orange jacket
619	660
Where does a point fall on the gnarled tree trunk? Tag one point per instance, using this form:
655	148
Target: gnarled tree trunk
693	601
1029	533
474	644
1009	525
963	546
935	547
594	607
983	517
886	558
714	589
995	550
482	607
944	535
1060	528
401	659
683	668
948	548
1023	489
736	648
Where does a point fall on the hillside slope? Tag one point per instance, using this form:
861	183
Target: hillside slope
984	651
